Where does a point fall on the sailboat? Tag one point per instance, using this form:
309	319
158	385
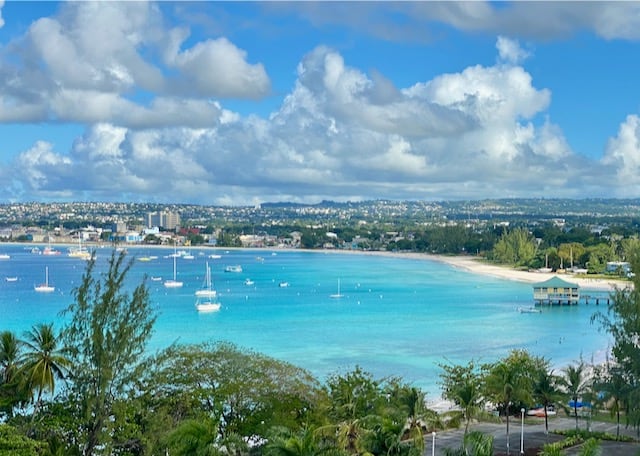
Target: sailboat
80	252
207	305
45	287
173	283
206	301
207	290
337	295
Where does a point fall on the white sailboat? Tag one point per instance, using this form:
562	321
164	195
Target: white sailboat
207	305
338	294
173	283
205	301
207	290
80	251
45	287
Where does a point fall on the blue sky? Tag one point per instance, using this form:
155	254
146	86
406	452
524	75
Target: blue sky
242	103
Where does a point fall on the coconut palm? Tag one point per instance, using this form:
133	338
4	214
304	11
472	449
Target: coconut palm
479	443
546	392
201	437
43	360
9	355
576	382
389	437
12	391
195	437
468	396
302	443
413	401
510	380
502	384
615	388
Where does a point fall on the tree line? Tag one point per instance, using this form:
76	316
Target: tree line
540	246
92	388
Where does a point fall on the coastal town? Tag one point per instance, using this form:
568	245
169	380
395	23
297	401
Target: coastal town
568	237
367	225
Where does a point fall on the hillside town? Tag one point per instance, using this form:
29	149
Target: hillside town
370	225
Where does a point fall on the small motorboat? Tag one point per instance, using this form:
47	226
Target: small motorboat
531	310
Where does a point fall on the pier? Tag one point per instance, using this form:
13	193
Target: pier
556	291
559	292
597	299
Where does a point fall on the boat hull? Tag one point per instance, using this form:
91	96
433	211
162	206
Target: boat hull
208	306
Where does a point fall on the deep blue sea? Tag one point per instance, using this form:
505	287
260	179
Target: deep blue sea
398	316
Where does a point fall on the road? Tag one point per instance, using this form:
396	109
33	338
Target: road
534	436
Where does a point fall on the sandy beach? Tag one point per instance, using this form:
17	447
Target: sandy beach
476	265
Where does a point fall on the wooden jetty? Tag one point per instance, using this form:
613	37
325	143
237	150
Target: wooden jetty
556	291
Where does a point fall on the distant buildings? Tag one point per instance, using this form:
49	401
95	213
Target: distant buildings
164	219
618	267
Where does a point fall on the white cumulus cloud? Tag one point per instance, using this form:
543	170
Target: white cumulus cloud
97	64
623	152
340	132
219	68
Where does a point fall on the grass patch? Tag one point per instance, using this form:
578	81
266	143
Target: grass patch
581	435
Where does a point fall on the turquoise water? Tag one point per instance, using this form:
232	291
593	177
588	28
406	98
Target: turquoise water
397	316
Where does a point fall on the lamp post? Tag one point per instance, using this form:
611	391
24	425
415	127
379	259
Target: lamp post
522	431
433	444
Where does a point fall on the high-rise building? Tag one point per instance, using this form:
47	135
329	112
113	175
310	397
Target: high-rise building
166	220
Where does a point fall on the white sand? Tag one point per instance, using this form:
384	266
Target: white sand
476	265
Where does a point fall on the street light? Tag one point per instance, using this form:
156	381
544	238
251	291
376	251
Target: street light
433	444
522	432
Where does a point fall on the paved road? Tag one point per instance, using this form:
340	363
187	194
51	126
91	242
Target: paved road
533	437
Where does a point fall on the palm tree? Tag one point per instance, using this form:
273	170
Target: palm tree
413	401
480	444
43	360
501	384
202	438
510	380
616	389
195	437
576	383
468	397
9	355
545	392
12	392
303	443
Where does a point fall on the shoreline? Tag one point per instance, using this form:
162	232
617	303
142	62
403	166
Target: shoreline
475	265
470	264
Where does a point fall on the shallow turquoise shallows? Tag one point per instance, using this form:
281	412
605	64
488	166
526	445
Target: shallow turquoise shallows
396	317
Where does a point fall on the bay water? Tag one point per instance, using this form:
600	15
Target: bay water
396	316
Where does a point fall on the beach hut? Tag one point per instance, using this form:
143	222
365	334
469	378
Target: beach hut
556	291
